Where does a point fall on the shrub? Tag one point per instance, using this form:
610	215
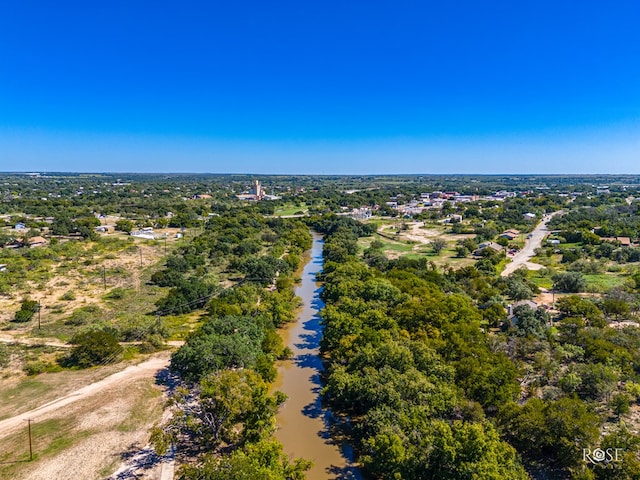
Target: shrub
67	296
4	355
572	282
27	310
93	347
117	293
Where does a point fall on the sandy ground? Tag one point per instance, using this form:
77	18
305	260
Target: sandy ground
98	410
50	342
144	370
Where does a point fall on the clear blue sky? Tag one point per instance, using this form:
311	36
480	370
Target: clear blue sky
320	87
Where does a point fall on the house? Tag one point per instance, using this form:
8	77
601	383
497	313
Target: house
624	241
529	216
487	245
553	241
146	233
202	196
15	243
3	267
38	241
529	303
19	226
510	234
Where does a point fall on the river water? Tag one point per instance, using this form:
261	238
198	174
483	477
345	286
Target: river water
303	425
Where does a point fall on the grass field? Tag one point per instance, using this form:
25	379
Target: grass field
291	209
412	249
600	283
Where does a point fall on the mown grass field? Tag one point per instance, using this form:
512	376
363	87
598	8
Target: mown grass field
291	209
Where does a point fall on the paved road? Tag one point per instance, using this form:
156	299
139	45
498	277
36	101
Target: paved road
528	252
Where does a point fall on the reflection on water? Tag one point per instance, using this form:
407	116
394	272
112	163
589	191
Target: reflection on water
303	425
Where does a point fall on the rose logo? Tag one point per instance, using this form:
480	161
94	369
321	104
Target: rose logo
598	455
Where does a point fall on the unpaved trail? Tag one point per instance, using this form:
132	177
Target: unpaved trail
528	251
49	342
142	370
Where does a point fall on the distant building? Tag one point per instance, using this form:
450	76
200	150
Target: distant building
146	233
529	216
624	241
363	213
15	243
257	193
258	190
510	234
36	242
487	245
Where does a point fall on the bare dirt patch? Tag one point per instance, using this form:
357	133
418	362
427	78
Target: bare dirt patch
86	434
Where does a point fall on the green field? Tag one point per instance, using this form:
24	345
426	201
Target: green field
604	281
291	209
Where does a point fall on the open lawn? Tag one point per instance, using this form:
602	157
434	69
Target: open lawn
605	281
412	249
291	209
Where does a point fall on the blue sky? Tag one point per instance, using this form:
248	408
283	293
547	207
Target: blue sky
320	87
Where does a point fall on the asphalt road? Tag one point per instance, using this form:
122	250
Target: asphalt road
523	257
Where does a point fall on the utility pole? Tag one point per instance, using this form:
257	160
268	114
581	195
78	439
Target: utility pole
28	420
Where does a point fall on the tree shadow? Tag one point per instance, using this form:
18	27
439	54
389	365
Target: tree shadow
309	360
349	472
136	460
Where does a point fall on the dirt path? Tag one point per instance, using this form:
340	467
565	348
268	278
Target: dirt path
533	241
49	342
142	370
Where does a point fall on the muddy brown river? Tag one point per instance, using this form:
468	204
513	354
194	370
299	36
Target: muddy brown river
303	424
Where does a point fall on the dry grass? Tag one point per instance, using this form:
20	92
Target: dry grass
87	438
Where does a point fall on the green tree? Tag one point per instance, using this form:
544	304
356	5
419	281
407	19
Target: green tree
264	460
232	408
438	245
529	321
124	225
227	342
620	404
552	432
93	347
571	282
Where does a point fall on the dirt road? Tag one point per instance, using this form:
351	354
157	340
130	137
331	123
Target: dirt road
144	369
49	342
534	240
